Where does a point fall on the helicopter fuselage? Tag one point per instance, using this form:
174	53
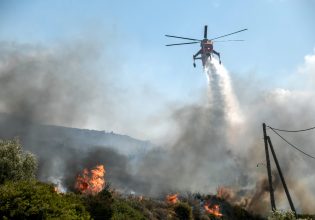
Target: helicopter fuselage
206	50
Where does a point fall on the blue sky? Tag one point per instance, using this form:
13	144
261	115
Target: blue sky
276	27
280	33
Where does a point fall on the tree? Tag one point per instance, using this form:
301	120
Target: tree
15	164
35	200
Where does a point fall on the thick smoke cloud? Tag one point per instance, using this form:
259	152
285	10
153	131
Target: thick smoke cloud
289	109
54	85
59	85
220	143
202	157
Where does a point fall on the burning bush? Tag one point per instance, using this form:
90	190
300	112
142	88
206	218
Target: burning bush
172	198
213	210
91	182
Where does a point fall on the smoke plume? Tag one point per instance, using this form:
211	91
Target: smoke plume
221	145
45	85
59	85
204	154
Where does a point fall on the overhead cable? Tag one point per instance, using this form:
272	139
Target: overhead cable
306	129
295	147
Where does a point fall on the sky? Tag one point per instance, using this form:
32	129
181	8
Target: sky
147	76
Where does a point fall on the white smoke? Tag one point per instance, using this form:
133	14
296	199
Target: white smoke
205	153
225	115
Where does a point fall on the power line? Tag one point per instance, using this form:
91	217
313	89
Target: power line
307	129
292	144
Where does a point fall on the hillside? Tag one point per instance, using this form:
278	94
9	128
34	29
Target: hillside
63	152
32	135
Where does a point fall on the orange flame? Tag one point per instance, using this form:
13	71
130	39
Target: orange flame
215	210
91	182
56	190
172	198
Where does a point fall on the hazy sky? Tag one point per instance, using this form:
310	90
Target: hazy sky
131	37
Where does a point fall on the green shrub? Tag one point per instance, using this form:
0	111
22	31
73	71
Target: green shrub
35	200
122	210
100	205
183	211
15	164
306	217
287	215
151	209
281	215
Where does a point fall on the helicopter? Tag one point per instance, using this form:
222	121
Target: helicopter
206	45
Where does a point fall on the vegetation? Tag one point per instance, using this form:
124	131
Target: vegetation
15	164
288	215
35	200
281	215
183	211
22	197
151	209
123	210
100	205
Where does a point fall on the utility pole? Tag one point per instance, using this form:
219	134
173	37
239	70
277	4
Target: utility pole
272	197
281	176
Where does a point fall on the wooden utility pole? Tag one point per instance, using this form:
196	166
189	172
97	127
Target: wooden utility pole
272	197
281	176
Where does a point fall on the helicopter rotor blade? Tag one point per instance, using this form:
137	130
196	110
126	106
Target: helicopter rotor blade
185	38
181	43
205	32
228	34
226	40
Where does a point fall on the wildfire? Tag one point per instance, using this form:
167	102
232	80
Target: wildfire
172	198
91	182
56	190
214	210
224	193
